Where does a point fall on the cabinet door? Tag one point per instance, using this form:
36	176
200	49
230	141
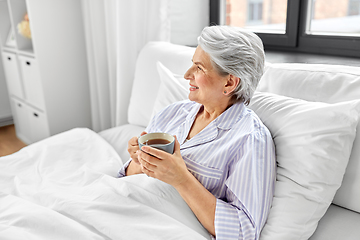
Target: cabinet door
5	109
32	82
22	125
12	74
39	125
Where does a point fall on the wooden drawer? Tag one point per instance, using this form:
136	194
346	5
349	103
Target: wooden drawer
32	82
12	74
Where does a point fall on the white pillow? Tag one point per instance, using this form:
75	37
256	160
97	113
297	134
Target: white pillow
173	88
119	136
313	142
322	83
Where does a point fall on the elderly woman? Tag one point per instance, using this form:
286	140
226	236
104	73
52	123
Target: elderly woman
223	165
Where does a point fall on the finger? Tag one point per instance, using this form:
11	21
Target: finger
143	133
146	159
176	145
132	150
146	165
133	141
147	172
160	154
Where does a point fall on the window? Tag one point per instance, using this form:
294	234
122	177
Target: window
314	26
255	11
333	17
354	7
258	15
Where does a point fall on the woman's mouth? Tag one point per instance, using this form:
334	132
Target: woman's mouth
193	88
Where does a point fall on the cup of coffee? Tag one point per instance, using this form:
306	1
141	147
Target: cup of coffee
159	140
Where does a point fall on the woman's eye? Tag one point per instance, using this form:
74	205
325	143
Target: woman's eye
199	68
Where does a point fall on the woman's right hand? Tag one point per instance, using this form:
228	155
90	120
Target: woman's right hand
133	147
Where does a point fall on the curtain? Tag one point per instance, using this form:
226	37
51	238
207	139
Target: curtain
116	31
188	18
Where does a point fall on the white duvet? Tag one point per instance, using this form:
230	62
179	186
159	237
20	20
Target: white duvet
65	187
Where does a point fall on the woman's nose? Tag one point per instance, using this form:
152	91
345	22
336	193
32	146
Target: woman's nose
189	74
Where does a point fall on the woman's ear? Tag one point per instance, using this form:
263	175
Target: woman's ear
231	84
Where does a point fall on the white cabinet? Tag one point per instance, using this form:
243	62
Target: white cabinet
12	74
31	124
46	74
21	120
39	125
31	79
5	109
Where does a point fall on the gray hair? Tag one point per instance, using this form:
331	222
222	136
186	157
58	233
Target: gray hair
238	52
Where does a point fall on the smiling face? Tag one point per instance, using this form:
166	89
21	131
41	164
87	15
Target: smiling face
206	85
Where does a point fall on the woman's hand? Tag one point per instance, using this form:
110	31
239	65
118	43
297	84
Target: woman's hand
169	168
133	147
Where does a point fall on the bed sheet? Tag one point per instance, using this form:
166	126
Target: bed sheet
65	187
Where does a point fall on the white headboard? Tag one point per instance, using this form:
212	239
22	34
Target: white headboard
176	58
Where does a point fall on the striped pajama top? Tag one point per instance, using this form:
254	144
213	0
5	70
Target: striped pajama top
233	157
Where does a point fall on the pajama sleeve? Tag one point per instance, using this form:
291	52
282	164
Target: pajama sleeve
232	222
249	191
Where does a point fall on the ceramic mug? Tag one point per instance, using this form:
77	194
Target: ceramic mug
159	140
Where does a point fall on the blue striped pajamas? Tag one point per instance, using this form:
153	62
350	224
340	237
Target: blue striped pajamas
233	157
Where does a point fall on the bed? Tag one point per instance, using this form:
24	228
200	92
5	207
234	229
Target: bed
66	186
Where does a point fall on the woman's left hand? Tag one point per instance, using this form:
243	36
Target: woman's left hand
169	168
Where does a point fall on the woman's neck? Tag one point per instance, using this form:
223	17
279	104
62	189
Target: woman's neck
204	117
211	113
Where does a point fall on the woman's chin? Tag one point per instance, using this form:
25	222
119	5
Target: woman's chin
192	97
